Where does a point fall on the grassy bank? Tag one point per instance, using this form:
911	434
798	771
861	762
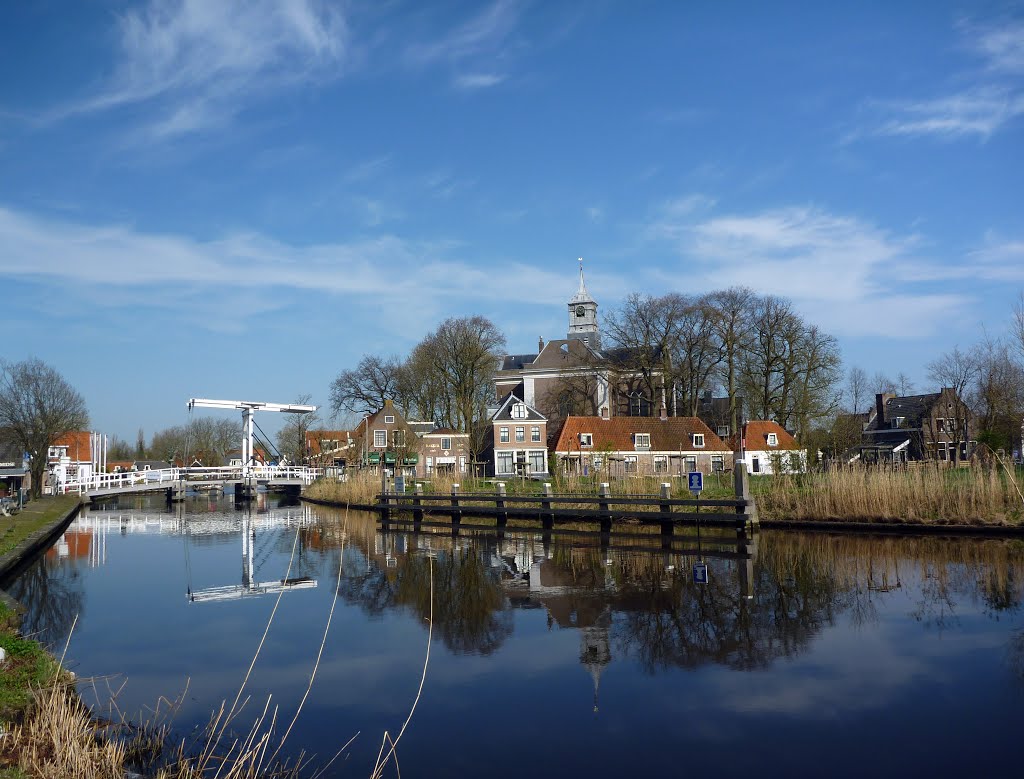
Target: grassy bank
922	495
35	516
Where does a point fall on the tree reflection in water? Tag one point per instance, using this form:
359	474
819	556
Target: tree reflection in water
52	595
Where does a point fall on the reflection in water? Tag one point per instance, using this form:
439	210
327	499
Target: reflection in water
532	614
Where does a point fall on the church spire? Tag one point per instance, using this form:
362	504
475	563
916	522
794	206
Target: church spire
583	316
581	296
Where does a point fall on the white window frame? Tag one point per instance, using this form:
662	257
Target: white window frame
519	411
398	437
641	440
389	419
660	463
503	435
717	463
631	463
506	458
535	434
586	439
446	443
380	439
723	431
520	434
773	439
698	440
540	456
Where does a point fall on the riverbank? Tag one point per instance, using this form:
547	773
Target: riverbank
31	530
924	499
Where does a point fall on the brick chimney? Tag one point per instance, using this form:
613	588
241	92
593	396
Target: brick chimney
880	400
540	345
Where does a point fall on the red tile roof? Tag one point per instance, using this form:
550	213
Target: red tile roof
757	431
78	445
616	434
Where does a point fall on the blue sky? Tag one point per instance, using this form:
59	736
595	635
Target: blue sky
239	199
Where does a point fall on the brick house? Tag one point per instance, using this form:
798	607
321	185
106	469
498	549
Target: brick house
516	443
416	449
443	450
936	426
639	446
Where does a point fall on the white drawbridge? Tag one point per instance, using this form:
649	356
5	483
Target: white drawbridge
248	408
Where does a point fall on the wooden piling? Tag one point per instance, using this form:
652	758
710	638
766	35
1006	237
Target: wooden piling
499	505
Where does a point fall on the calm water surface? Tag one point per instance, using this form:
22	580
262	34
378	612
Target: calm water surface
837	655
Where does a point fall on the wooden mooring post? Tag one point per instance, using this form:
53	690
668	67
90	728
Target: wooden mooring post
746	514
548	518
499	506
417	504
456	511
605	493
667	526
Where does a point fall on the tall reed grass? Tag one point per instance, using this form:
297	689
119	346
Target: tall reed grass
925	494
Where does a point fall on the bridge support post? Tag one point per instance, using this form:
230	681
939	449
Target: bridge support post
456	511
666	512
604	492
417	510
746	516
499	505
547	519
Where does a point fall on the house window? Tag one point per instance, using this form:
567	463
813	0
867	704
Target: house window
630	463
430	465
698	439
717	463
398	437
942	451
586	439
642	440
639	406
691	463
520	434
898	422
773	439
660	463
380	438
940	425
389	419
535	433
723	431
446	444
462	465
537	464
519	411
504	463
503	435
755	465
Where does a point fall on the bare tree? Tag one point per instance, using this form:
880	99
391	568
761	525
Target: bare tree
998	397
37	406
291	439
364	389
698	356
904	384
856	389
732	309
462	355
956	370
1018	324
881	383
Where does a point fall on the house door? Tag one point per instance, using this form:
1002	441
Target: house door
755	465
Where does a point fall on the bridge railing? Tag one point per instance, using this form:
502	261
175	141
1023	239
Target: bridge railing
168	476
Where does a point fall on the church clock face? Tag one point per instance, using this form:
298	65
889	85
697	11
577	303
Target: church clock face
580	311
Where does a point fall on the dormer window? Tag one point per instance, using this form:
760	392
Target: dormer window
723	431
642	440
698	440
519	411
773	439
586	439
898	422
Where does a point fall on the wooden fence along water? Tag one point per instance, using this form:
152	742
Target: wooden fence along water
549	510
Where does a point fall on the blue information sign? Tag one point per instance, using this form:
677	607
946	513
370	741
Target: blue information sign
696	481
700	573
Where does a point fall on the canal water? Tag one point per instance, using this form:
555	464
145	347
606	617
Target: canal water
803	654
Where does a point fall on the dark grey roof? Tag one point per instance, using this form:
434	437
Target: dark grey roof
504	412
516	362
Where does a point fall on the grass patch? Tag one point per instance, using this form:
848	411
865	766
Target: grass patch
29	667
36	515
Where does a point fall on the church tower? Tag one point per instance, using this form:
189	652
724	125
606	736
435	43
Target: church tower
583	316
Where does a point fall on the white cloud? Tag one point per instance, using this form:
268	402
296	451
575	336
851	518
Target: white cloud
993	100
470	81
200	61
473	47
979	112
999	259
843	273
1002	46
412	276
